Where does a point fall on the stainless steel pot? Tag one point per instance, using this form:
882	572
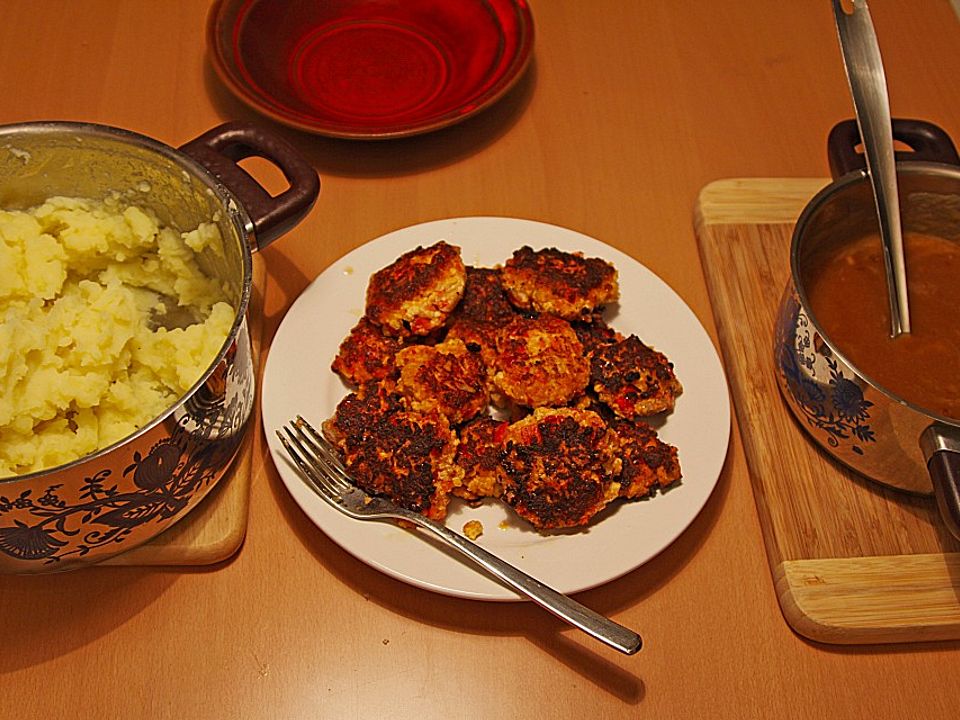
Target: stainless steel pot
125	494
880	435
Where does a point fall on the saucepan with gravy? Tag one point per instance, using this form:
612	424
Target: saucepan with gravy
887	407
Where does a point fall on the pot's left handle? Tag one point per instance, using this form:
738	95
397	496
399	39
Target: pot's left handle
222	147
941	449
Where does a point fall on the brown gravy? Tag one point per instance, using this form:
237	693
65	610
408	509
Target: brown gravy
847	293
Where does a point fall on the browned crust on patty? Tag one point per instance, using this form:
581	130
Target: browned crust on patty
417	292
556	467
481	313
402	455
446	378
540	362
634	380
484	299
478	339
647	464
366	354
561	283
593	332
478	454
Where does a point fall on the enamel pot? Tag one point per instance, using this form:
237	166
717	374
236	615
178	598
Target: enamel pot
123	495
884	437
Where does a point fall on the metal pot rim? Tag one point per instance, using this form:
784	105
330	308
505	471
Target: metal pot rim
809	211
233	209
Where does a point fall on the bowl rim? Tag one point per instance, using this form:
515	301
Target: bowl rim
224	14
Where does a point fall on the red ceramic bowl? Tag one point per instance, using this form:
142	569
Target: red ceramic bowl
370	69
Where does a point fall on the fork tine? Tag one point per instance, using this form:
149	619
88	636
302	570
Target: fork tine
325	453
309	437
324	459
332	459
294	449
308	463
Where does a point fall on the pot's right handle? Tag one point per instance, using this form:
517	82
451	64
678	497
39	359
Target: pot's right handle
941	448
927	142
220	149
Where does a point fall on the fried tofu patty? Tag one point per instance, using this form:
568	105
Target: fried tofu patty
647	463
478	339
478	455
481	313
594	333
366	354
446	378
399	454
540	362
633	379
561	283
417	292
484	299
556	467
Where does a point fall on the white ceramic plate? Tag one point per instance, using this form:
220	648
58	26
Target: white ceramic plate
297	379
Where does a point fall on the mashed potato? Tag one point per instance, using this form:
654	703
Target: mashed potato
81	363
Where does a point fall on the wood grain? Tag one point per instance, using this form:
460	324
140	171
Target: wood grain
854	562
884	599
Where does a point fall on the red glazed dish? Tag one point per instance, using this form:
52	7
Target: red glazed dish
370	69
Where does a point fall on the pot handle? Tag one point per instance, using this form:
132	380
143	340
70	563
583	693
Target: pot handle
941	448
221	148
927	142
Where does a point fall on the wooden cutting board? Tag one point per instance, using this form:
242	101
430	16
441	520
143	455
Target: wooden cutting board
853	562
214	530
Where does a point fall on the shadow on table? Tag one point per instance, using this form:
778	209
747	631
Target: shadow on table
602	666
400	156
45	616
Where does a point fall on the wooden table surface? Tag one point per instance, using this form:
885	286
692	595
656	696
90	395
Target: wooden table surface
627	111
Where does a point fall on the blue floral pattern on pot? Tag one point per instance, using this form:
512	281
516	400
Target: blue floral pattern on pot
157	486
835	404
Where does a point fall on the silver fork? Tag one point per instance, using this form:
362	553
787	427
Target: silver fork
321	468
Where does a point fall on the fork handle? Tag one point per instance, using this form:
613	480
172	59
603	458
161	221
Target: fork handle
603	629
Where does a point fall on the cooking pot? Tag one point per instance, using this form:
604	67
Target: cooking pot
883	436
123	495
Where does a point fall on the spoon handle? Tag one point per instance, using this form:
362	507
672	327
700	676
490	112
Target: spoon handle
864	67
